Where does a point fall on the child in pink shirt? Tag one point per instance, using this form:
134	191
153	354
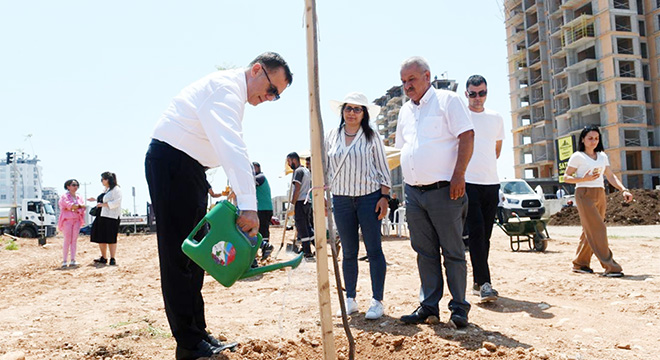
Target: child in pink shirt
72	217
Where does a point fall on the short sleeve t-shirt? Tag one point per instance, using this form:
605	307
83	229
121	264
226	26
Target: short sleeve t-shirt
583	164
301	175
488	129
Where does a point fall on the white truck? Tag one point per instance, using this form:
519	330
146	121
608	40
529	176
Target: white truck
28	219
517	196
134	224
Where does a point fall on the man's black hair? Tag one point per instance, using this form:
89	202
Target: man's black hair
475	80
271	61
293	155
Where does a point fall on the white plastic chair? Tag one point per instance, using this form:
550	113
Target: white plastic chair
400	221
385	225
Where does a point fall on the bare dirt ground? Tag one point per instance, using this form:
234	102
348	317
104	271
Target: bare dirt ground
544	312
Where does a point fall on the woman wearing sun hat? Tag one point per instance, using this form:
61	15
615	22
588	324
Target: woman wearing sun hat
360	185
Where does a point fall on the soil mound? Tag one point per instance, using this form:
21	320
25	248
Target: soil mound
388	347
643	210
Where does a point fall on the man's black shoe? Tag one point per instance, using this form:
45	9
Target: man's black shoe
266	250
420	316
459	318
203	349
221	345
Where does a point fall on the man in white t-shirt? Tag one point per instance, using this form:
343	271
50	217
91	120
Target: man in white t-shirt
482	184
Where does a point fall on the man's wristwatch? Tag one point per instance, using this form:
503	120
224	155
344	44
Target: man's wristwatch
386	196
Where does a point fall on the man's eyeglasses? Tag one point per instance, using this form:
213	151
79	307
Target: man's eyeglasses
356	110
272	90
473	94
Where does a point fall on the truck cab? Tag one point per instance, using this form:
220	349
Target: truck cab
28	219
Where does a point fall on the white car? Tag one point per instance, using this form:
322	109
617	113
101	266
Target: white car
517	196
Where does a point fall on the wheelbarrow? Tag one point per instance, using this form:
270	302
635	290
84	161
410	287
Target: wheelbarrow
525	230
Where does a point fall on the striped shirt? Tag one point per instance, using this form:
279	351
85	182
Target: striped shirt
365	168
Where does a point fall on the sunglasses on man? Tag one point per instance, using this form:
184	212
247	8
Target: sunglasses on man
272	90
473	94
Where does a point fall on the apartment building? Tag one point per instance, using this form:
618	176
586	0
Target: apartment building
21	177
574	63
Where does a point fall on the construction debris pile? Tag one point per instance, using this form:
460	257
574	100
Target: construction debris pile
643	210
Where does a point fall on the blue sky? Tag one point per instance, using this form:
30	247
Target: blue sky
89	79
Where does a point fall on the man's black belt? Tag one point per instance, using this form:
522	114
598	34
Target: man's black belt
435	185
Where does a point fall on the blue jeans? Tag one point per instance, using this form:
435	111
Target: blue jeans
350	213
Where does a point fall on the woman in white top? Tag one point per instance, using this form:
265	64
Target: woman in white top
360	185
106	225
586	168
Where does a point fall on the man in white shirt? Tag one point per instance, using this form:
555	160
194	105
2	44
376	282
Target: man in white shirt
434	133
201	129
482	184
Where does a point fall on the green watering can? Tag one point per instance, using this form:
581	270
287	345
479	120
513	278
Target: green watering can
226	252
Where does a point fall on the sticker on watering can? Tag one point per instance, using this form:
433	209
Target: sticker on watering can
223	253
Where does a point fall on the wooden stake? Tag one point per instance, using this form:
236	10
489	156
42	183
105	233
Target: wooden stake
318	182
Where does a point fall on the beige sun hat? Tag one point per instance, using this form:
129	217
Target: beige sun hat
356	98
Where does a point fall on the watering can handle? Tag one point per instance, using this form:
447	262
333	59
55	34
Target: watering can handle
195	230
254	240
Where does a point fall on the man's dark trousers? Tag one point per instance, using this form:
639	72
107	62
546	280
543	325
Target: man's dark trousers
436	226
482	207
177	184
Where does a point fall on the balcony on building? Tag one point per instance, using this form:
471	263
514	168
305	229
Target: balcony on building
536	95
581	82
533	41
554	8
576	122
541	133
577	35
518	34
537	113
559	66
584	59
560	86
529	5
586	103
534	59
536	76
515	14
631	114
562	105
572	4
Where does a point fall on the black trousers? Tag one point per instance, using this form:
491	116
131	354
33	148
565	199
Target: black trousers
264	223
482	207
177	185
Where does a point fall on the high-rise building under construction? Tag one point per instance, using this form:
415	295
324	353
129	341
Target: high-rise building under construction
573	63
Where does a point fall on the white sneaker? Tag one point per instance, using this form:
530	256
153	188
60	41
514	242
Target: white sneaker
375	311
63	264
351	307
73	263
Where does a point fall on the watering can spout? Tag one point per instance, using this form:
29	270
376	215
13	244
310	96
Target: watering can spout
293	263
